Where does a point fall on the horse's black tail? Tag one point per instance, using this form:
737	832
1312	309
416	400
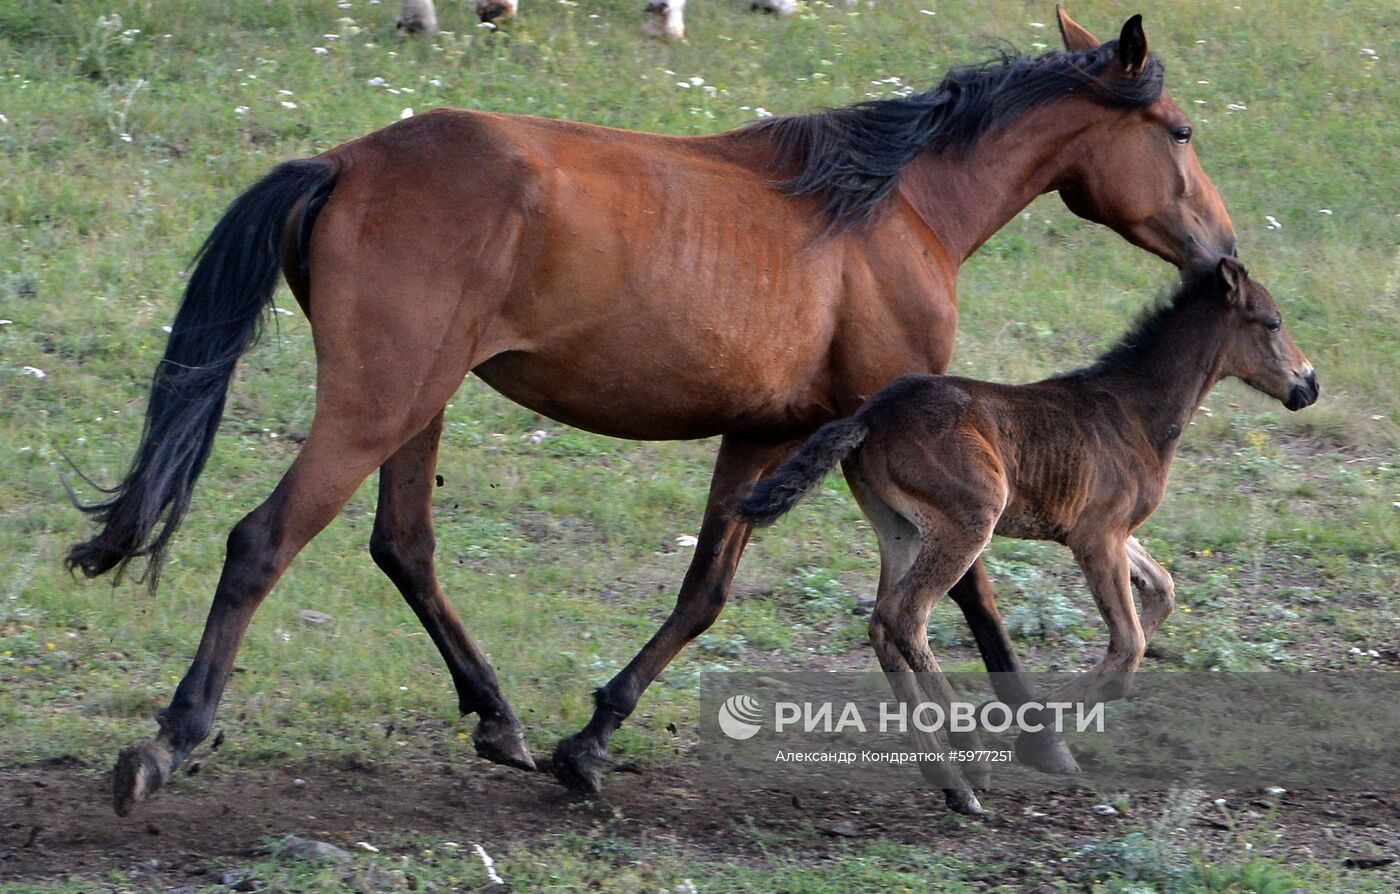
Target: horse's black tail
774	495
219	319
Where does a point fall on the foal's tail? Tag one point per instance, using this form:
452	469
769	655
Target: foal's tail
771	498
219	319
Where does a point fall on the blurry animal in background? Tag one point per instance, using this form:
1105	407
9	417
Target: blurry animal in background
776	7
491	11
665	19
417	17
420	17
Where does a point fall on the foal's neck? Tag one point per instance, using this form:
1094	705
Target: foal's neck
1166	380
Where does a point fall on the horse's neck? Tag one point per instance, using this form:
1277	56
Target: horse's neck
965	197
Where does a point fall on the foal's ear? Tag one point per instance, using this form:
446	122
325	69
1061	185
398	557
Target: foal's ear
1233	277
1075	35
1132	46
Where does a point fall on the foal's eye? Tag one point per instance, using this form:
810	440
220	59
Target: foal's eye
1273	325
1182	135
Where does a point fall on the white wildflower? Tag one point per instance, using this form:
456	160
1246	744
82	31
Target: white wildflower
761	112
240	110
686	541
288	105
34	371
697	81
1273	222
406	113
1237	107
376	82
538	436
320	51
1327	211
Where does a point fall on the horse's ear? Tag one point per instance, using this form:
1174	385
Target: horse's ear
1075	35
1233	277
1132	46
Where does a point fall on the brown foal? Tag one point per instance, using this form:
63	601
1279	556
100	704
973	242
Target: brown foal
808	261
939	464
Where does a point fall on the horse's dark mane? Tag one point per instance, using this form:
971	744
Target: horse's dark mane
1130	352
852	156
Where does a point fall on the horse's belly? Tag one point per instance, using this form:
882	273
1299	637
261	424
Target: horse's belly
641	395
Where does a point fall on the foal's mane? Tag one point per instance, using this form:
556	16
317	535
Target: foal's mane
1152	325
852	156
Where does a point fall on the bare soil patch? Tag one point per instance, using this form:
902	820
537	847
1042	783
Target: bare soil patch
58	823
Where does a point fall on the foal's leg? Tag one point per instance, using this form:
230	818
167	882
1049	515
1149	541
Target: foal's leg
578	759
900	543
1105	566
329	468
899	630
1045	750
402	546
1154	586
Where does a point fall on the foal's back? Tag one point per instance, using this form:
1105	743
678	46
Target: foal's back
1037	457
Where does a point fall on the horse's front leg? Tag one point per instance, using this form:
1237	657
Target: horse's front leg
578	760
1042	749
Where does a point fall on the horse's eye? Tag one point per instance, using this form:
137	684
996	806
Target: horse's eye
1182	135
1274	324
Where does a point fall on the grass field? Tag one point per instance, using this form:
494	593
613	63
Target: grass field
125	128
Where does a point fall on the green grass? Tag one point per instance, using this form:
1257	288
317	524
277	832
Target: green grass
122	143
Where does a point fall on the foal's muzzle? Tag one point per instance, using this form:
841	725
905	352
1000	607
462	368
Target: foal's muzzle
1303	394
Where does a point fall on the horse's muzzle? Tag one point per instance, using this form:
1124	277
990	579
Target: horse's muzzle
1304	395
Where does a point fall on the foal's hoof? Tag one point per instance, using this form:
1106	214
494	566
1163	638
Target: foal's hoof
962	800
578	764
1046	753
141	770
503	742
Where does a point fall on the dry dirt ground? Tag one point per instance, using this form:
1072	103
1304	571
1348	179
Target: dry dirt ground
56	820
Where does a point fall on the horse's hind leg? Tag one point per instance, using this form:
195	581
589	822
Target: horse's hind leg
402	546
1045	750
324	476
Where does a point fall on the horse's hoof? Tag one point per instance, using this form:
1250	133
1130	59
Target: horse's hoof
578	764
503	742
140	772
1046	753
962	800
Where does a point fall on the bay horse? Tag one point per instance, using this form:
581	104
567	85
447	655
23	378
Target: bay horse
938	464
809	260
